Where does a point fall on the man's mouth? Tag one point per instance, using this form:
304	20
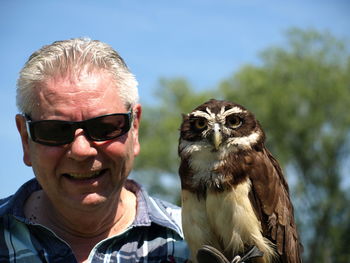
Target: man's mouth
89	175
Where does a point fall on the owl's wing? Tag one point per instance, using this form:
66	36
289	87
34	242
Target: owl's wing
270	198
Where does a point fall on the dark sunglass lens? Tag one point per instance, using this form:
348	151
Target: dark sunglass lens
52	132
108	127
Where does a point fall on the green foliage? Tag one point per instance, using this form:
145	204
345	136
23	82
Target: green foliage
300	93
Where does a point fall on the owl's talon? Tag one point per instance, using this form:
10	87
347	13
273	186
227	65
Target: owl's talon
237	259
209	254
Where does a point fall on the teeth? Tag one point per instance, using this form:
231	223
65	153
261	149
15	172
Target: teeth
84	175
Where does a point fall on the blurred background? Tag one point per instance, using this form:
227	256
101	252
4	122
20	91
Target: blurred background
287	61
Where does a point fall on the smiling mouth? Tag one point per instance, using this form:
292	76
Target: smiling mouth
80	176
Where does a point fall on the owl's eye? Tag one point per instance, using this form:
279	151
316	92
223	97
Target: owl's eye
200	123
233	121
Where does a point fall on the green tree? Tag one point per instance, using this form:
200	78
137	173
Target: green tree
300	93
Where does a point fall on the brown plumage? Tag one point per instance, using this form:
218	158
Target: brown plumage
234	194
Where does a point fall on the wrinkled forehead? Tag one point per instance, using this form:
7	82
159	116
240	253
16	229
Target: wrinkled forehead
71	88
88	93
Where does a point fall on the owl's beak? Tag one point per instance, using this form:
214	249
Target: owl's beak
217	137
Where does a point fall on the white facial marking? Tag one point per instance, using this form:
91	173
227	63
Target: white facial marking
245	142
208	115
220	116
232	110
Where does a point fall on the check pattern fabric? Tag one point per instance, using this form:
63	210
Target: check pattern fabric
154	237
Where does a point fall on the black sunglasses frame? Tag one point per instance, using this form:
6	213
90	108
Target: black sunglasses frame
74	125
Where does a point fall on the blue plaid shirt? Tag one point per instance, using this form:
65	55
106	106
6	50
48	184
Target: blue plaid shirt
154	236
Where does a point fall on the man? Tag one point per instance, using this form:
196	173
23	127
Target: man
79	130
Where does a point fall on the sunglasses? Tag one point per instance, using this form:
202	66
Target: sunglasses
57	132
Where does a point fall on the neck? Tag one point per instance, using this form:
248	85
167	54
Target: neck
82	230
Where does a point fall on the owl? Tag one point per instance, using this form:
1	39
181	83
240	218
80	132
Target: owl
234	195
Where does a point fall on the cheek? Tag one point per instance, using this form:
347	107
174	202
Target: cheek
122	158
119	151
45	158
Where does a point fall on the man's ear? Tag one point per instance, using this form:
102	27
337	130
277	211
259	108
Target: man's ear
137	111
21	127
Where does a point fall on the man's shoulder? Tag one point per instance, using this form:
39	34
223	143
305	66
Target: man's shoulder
5	205
14	203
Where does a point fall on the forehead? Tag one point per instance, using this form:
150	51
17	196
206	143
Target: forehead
88	92
76	82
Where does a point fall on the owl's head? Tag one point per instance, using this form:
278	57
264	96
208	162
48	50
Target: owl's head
220	126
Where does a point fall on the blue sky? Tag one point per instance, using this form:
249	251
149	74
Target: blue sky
202	40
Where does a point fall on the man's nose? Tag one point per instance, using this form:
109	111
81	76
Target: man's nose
81	148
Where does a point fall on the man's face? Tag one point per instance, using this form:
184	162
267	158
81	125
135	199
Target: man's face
84	173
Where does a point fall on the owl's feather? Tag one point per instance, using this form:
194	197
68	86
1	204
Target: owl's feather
270	196
234	194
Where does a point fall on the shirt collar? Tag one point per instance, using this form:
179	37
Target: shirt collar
153	210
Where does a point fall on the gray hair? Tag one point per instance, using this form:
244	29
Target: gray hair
73	56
